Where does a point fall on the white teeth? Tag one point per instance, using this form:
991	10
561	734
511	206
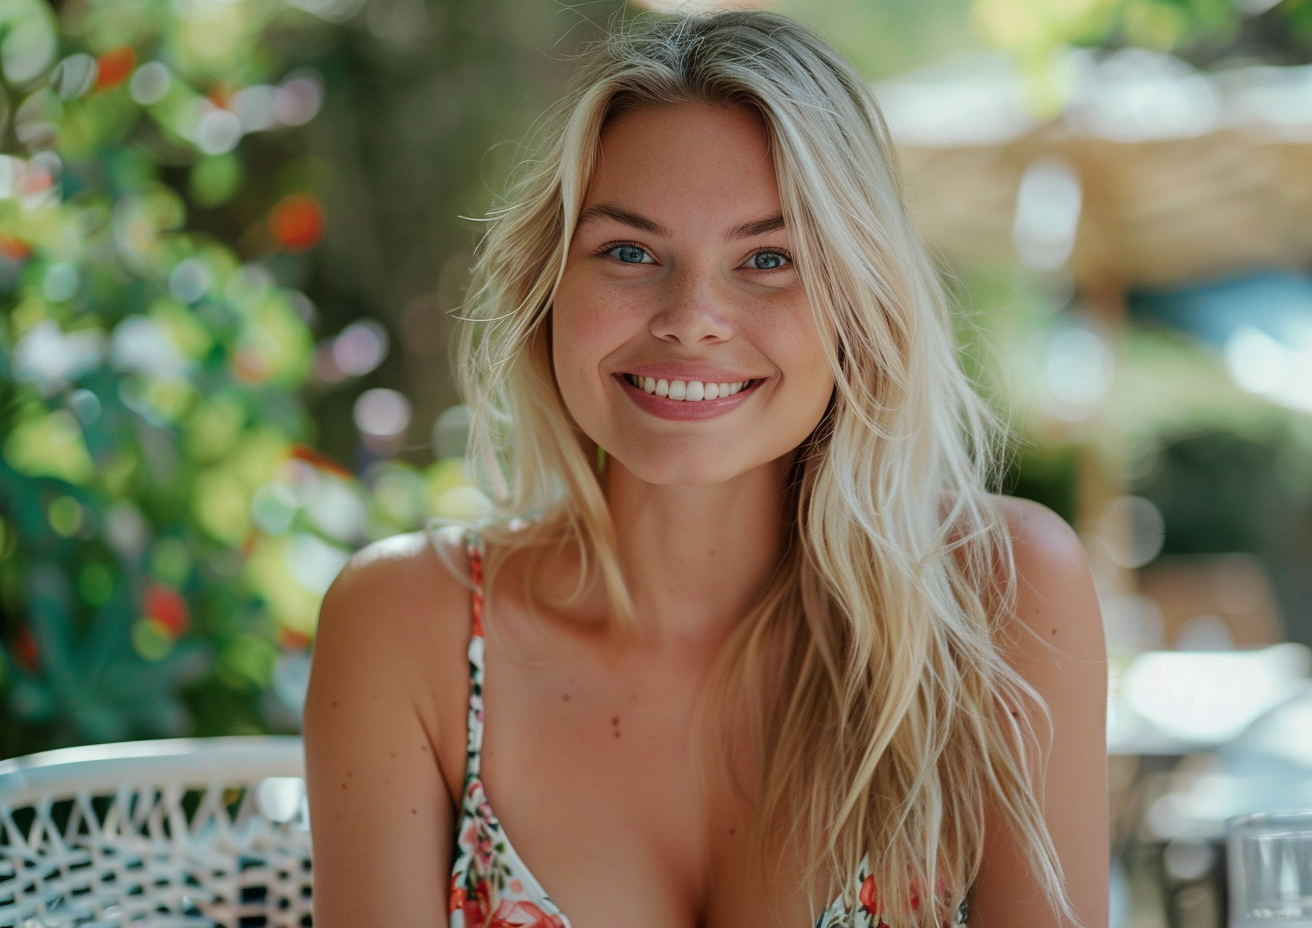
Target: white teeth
690	390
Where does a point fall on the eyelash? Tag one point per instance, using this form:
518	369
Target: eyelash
604	249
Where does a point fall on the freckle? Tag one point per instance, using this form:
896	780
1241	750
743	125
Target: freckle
413	812
393	753
349	773
1054	631
334	703
733	831
565	697
424	748
617	733
614	719
343	786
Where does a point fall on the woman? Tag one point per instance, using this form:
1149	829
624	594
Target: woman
760	648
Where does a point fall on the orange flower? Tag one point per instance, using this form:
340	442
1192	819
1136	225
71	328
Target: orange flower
321	461
15	249
166	606
114	66
293	640
296	222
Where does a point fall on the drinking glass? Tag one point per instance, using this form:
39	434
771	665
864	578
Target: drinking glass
1269	861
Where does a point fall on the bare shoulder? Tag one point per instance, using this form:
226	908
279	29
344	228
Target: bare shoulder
414	578
1054	640
1055	597
384	731
395	621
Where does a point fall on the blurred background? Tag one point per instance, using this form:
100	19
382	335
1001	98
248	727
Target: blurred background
233	232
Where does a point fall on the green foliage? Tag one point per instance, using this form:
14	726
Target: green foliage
148	373
1037	31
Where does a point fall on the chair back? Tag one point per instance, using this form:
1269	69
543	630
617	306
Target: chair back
167	834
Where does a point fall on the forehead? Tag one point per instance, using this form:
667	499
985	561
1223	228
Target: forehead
687	158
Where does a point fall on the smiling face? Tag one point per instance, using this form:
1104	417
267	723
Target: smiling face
679	287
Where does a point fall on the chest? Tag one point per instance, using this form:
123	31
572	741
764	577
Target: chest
613	795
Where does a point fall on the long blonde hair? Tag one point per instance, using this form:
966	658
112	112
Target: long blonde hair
900	723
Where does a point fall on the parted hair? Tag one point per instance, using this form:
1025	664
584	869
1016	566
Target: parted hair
898	724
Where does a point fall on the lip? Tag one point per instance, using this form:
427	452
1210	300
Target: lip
690	370
682	410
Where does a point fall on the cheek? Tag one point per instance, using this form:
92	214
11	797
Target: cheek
798	349
585	329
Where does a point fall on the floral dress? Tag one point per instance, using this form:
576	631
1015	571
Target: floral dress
492	888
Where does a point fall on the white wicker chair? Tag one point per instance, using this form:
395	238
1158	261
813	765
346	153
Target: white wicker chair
167	834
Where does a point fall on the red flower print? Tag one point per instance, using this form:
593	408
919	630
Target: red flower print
870	897
456	899
523	914
477	907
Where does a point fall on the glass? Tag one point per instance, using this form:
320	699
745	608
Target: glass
1269	859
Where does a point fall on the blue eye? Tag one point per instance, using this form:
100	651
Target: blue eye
628	254
769	260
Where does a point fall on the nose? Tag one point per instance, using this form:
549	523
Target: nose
692	312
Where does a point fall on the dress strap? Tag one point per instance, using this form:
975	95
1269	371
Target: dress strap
474	547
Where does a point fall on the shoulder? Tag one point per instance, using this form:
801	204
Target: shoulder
384	731
430	560
1053	638
395	620
1055	595
1046	548
414	584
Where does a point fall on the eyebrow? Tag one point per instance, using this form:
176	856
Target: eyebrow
760	227
643	224
606	211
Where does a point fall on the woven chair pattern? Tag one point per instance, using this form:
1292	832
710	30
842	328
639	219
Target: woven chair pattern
171	845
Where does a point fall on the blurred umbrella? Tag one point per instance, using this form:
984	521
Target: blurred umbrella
1153	175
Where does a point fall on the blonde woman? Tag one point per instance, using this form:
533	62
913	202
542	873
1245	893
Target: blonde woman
750	643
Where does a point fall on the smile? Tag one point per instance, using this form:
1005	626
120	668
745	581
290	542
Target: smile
688	391
686	400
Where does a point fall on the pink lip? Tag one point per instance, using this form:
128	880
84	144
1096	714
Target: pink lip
690	370
680	410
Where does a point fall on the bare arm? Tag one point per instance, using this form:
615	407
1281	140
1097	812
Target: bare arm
380	683
1057	645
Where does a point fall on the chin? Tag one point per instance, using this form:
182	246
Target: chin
674	470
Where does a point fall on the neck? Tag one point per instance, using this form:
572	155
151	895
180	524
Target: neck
697	558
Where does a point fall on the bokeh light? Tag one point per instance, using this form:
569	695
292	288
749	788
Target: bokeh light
297	222
360	347
1078	367
114	67
150	83
381	413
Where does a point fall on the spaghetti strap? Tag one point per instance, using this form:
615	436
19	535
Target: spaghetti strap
474	548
